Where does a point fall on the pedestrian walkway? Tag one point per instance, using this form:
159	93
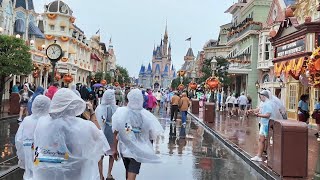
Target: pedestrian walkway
243	133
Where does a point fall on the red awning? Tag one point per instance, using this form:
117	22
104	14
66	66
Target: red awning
95	57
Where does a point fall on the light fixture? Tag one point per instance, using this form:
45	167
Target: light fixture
31	42
214	63
18	36
43	47
257	85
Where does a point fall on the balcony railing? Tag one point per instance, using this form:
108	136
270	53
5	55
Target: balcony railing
265	65
255	26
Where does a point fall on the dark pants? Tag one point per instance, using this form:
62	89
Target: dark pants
174	112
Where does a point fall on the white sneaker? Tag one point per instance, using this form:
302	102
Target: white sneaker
184	124
256	158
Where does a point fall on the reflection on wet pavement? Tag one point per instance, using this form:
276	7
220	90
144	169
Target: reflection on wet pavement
188	153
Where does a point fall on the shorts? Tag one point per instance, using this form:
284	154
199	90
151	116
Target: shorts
243	107
264	130
248	106
236	105
230	105
23	104
131	165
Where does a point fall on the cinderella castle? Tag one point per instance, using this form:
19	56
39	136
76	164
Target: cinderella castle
161	72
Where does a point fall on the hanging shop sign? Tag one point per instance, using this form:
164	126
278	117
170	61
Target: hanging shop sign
291	48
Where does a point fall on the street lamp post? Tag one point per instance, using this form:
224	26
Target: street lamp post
214	63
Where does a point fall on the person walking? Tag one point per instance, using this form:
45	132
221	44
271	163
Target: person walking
99	95
184	104
67	147
174	106
158	96
118	96
74	89
145	99
25	135
152	101
52	90
236	105
303	109
25	95
39	91
230	104
133	129
104	114
243	101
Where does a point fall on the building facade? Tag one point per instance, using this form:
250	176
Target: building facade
243	37
160	72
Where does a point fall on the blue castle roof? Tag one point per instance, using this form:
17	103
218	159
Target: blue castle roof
157	69
142	69
149	70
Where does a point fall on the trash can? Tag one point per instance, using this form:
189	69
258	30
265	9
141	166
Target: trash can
195	106
209	112
288	148
14	105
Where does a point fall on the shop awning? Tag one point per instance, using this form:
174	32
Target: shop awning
35	31
19	26
95	57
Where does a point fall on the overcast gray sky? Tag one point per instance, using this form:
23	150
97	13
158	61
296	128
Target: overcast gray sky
135	25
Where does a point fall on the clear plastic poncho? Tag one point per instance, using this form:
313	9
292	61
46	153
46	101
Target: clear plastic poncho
104	114
67	147
277	105
25	136
74	89
136	127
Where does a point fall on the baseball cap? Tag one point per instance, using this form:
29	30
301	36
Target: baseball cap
264	93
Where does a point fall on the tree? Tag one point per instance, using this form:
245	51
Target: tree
176	82
221	72
123	76
15	59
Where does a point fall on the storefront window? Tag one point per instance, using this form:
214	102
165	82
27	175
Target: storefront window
292	96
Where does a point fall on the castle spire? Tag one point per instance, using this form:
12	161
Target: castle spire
166	31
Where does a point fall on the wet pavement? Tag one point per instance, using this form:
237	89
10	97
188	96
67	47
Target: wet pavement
188	153
244	133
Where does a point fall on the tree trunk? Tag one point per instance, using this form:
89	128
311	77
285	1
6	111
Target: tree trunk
2	86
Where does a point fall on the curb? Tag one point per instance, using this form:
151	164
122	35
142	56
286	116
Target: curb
9	117
9	171
260	168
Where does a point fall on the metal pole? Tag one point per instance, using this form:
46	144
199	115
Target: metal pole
53	69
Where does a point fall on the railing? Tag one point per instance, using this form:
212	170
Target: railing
237	33
267	64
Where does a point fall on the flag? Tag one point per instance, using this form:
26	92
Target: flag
98	31
189	39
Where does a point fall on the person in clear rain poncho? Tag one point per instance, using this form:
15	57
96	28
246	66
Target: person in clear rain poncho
104	114
134	127
24	137
67	147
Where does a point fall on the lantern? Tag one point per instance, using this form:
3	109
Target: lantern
212	83
181	87
193	85
67	78
57	77
103	82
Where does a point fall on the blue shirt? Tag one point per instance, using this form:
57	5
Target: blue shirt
303	105
266	109
317	106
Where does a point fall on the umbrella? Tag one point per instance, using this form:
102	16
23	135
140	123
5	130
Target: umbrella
97	85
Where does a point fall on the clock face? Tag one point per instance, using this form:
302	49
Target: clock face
54	52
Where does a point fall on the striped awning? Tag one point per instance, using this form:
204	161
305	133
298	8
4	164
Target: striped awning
35	31
19	26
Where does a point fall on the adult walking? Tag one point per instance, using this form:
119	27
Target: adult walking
174	106
67	147
25	95
99	95
152	101
118	96
316	116
135	127
184	106
52	90
39	91
230	104
25	135
243	101
303	109
104	114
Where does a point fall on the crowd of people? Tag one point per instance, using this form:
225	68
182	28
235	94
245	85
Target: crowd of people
53	142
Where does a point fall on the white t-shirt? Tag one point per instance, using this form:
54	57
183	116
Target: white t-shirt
243	100
231	100
158	96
